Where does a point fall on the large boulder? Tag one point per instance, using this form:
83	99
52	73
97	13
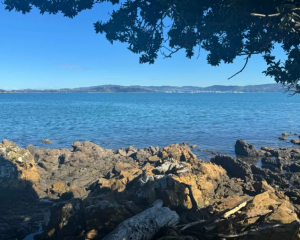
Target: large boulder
281	210
18	173
234	167
104	216
295	141
245	149
177	152
76	168
65	219
295	167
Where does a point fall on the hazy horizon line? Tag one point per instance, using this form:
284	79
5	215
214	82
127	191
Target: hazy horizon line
18	89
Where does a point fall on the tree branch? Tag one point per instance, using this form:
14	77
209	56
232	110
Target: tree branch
273	15
242	68
171	52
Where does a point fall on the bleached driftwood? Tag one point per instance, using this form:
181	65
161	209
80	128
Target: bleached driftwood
145	225
234	210
218	217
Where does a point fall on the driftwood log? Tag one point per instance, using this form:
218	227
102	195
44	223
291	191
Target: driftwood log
145	225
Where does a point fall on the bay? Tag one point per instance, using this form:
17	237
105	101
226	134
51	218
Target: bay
213	121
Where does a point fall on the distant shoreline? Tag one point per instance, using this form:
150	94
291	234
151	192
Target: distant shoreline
263	88
127	92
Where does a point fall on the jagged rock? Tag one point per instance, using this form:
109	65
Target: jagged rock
262	186
293	194
141	155
154	159
169	167
268	160
74	192
282	138
295	141
18	173
122	152
245	149
268	149
130	150
210	182
91	220
46	141
194	146
275	164
206	181
234	167
20	218
121	166
285	134
295	167
104	216
58	187
283	153
102	188
177	152
293	177
230	203
64	219
283	210
289	231
79	167
295	154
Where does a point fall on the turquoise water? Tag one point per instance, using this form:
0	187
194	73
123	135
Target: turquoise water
210	120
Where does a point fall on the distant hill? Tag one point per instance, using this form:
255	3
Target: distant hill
158	89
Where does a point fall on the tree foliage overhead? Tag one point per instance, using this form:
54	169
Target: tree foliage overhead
224	28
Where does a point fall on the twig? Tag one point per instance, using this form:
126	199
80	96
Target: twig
171	52
199	52
247	232
191	224
258	15
224	214
274	14
242	68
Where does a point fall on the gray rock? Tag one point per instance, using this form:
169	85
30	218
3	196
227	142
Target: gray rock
295	167
234	167
245	149
282	138
46	141
295	141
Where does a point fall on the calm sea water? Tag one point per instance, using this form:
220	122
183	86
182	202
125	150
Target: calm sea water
212	121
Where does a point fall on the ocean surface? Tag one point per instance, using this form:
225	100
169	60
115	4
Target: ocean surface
117	120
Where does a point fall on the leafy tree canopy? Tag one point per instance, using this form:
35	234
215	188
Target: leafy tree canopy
224	28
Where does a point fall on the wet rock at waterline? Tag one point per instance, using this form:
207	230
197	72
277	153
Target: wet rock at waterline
46	141
245	149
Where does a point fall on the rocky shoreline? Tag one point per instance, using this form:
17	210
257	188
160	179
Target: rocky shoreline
90	192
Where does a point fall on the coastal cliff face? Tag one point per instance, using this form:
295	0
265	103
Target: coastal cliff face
93	192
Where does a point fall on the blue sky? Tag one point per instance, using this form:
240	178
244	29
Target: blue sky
51	51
